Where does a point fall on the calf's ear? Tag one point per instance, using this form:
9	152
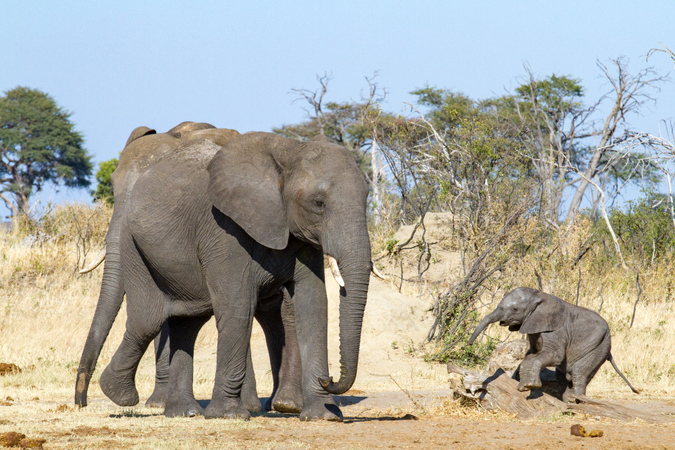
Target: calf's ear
139	132
547	314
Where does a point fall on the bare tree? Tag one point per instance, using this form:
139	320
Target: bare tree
629	93
351	124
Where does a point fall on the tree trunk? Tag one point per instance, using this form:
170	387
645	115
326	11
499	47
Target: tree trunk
378	176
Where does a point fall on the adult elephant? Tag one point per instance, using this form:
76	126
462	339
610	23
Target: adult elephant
144	148
221	231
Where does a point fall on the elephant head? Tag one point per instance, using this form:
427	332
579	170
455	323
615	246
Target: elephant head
525	310
274	187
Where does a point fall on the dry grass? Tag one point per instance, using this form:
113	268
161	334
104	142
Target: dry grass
642	352
46	309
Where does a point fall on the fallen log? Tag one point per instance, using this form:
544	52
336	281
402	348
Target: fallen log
498	390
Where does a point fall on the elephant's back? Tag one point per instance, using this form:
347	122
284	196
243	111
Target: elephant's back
137	157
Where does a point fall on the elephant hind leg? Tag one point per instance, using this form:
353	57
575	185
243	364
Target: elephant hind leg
584	369
282	343
180	400
117	380
145	317
158	397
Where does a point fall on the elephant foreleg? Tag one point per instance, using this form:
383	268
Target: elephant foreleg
311	314
234	305
530	369
249	389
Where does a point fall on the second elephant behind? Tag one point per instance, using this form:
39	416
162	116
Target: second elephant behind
143	149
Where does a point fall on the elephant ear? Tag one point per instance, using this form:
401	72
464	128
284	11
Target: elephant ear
185	128
548	314
139	132
244	184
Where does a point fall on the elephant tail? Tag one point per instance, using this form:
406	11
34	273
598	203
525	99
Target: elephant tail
611	360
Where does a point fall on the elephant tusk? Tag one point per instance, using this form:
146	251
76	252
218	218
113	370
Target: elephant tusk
95	262
377	272
336	271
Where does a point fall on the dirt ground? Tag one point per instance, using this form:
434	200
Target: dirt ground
383	419
398	401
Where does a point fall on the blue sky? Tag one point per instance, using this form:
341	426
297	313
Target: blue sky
118	65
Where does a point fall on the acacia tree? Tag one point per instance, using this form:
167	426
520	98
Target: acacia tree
38	145
104	188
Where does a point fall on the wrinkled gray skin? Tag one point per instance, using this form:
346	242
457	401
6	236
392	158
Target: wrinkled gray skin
232	230
574	339
143	148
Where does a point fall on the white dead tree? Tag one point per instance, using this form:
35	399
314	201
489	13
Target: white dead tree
629	93
369	114
557	128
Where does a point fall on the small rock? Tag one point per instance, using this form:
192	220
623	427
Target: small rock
9	368
578	430
11	439
32	443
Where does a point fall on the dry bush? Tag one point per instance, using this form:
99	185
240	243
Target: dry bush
573	264
45	306
570	266
58	242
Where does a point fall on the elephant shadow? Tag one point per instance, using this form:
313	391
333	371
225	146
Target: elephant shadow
550	384
346	400
340	400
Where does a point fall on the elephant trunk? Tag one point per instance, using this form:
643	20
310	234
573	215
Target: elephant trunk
355	267
107	308
493	317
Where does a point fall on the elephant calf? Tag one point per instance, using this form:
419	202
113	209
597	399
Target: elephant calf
574	339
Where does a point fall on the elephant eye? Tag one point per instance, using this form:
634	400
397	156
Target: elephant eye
319	204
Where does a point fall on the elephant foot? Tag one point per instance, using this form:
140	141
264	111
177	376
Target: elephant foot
121	390
528	386
287	401
321	409
158	397
251	402
183	407
230	408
